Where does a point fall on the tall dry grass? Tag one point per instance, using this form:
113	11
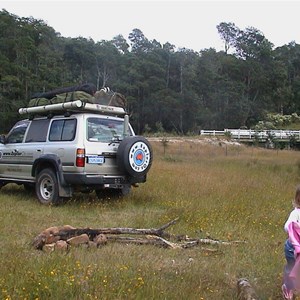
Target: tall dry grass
225	192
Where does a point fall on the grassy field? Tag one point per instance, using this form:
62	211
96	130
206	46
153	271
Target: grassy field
225	192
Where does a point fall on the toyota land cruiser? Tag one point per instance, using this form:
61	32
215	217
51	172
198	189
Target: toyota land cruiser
63	148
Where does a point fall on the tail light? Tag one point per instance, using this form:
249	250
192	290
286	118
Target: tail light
80	157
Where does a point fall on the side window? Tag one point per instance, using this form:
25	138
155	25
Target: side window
62	130
16	135
69	130
37	131
56	130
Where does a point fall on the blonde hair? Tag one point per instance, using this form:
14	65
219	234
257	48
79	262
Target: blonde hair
296	201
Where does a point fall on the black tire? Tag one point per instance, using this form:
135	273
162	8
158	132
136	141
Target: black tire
135	156
113	193
46	187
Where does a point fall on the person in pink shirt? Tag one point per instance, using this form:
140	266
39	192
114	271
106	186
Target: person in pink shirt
292	247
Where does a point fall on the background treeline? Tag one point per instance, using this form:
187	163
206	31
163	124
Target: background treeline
176	90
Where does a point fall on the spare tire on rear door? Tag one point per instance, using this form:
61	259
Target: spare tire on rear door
135	156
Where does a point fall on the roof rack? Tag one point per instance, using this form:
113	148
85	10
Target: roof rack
74	106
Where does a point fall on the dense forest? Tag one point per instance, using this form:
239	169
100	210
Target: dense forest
170	89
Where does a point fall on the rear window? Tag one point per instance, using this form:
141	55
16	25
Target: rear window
62	130
37	131
104	130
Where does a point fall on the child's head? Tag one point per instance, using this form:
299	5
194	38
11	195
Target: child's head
296	201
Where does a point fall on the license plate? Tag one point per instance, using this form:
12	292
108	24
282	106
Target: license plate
95	160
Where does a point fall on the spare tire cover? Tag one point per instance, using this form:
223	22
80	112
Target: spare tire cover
135	156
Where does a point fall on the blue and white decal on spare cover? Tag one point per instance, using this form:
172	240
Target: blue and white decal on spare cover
139	156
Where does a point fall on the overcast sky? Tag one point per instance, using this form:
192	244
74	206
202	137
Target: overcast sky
189	24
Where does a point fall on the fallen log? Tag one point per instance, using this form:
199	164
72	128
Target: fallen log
195	242
159	241
66	232
152	236
149	240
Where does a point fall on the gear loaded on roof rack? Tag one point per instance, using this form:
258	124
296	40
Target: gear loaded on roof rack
76	99
74	106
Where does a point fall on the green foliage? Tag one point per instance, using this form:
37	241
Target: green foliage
182	89
264	125
277	121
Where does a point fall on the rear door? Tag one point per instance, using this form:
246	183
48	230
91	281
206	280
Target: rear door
62	141
103	135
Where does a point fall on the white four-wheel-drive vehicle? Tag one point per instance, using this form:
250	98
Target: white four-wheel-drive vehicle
74	146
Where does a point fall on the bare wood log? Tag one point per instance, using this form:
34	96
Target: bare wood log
159	241
195	242
245	290
162	228
63	233
134	240
92	233
166	243
149	240
155	236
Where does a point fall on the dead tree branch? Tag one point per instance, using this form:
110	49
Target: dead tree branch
159	241
151	236
68	233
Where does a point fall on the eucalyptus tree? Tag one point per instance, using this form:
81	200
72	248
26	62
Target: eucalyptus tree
146	71
183	81
256	68
9	32
168	51
228	32
106	61
288	56
120	43
49	69
79	58
27	61
139	43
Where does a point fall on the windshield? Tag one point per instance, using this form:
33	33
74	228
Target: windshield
17	133
104	130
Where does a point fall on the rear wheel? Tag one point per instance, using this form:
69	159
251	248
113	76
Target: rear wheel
46	187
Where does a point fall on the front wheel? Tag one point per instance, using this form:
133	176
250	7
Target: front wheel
46	187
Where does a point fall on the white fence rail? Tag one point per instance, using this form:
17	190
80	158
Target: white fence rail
253	134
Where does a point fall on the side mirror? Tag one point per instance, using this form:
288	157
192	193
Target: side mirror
2	139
